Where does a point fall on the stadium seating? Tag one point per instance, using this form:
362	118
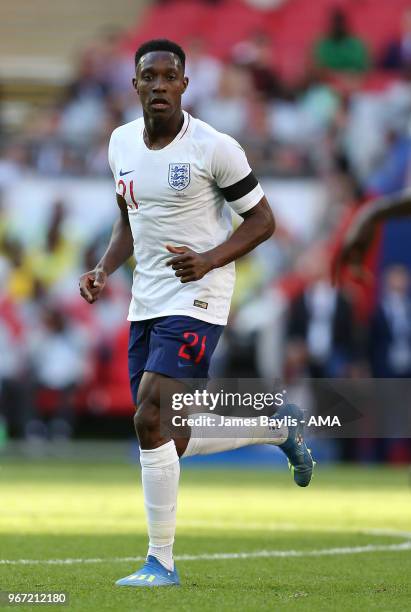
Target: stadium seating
293	26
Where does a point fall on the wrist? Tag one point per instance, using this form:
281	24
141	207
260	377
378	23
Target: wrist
102	268
211	260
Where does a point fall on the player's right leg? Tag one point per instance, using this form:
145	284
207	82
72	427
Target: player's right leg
160	471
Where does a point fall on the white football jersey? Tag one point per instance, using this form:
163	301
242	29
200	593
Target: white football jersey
177	195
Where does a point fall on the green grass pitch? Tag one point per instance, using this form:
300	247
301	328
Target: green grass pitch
313	539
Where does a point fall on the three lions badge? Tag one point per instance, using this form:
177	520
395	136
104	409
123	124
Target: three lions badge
179	176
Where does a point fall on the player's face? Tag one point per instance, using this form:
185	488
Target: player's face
160	83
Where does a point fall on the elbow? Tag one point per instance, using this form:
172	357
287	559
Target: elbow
269	226
261	221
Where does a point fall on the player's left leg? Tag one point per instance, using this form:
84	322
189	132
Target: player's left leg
289	438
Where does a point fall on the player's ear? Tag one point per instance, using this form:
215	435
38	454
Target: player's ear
134	81
185	83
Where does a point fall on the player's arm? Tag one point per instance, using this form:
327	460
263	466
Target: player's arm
362	231
233	176
119	250
258	226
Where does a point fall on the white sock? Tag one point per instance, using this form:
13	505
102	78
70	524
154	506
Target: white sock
200	442
160	472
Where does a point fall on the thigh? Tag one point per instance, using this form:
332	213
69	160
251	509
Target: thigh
138	350
182	347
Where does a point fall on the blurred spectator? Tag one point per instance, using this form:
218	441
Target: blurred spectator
390	328
393	171
319	105
110	67
397	53
96	161
249	280
302	117
390	356
58	357
339	49
362	120
82	117
21	278
397	104
229	109
57	257
84	109
256	54
13	376
204	73
4	221
43	140
13	162
320	325
287	122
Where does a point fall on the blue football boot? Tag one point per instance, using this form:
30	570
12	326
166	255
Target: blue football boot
152	574
299	456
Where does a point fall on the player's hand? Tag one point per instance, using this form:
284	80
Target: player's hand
188	265
92	284
354	248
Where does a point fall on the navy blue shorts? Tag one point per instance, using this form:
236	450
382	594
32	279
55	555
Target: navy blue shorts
176	346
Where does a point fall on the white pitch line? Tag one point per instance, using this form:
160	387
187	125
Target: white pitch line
293	527
370	548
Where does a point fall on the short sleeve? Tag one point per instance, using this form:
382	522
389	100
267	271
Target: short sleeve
234	176
111	160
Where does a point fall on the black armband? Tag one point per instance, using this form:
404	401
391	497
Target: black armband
240	189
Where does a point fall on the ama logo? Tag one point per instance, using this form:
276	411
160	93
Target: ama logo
179	176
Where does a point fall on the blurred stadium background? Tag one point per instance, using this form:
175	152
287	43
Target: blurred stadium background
319	95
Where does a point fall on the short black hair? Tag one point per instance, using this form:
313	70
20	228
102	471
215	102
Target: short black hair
160	44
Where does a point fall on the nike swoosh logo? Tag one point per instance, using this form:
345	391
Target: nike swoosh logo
124	173
184	365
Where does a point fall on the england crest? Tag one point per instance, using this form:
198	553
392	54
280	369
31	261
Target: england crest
179	176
